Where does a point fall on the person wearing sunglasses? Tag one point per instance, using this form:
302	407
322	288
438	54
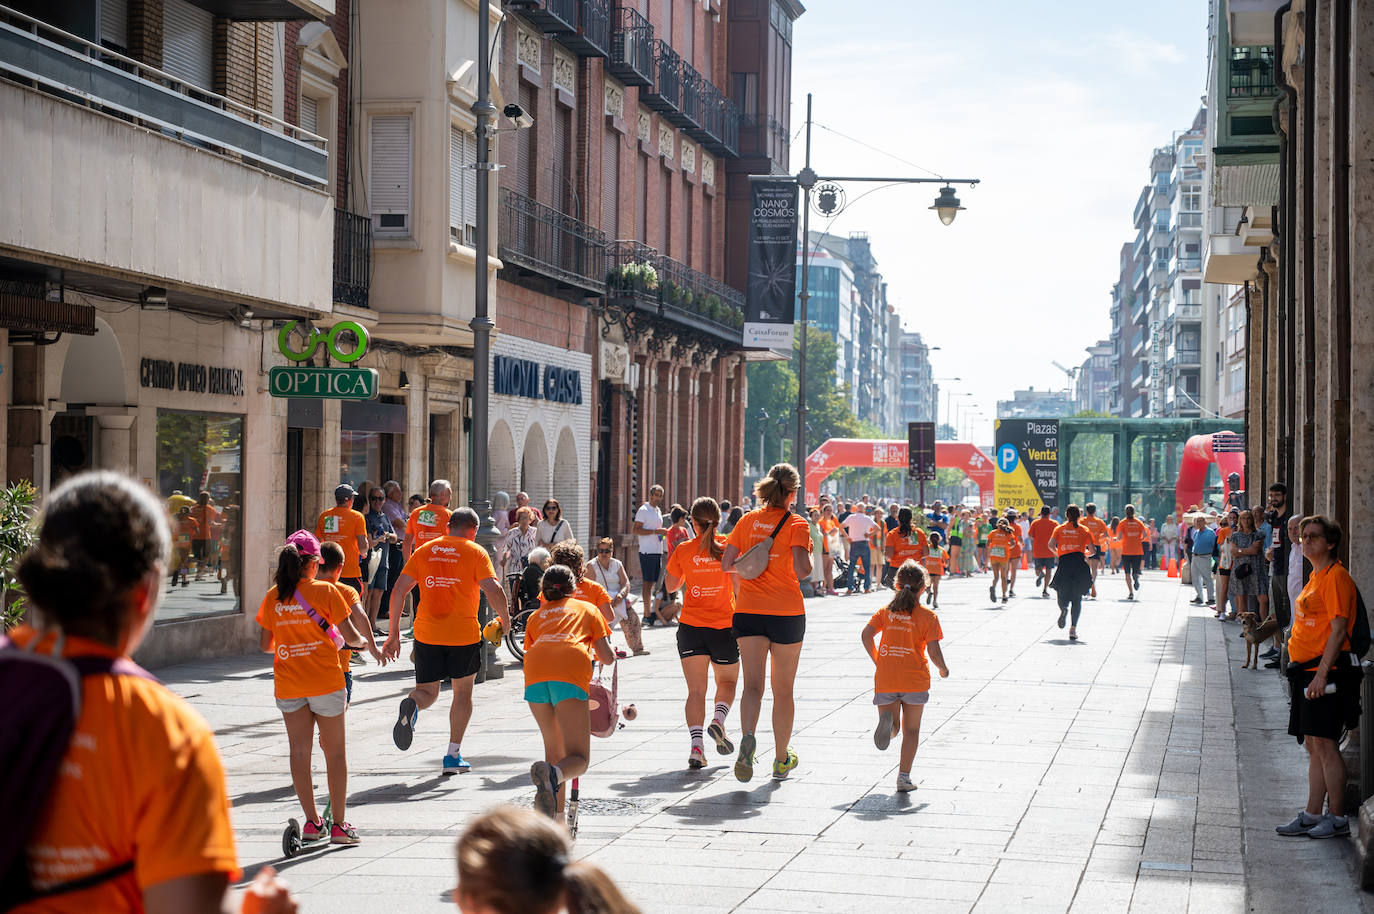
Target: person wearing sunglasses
380	537
552	527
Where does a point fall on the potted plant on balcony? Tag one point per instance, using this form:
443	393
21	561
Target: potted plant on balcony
635	276
713	307
737	318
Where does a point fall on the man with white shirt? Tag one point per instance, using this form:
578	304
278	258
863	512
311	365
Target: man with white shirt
855	529
648	524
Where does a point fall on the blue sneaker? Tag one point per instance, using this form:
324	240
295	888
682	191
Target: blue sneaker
456	763
404	731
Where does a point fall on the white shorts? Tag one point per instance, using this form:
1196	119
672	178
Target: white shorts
331	704
906	698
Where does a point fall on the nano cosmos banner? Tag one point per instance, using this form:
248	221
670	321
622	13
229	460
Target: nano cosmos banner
1027	464
770	292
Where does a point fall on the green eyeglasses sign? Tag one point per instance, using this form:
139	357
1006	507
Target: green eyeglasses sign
324	383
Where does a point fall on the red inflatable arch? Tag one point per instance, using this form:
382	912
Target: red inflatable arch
1198	455
838	453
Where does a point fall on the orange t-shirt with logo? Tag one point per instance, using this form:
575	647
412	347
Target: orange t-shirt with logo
904	548
343	525
776	592
1000	544
204	516
1329	593
558	642
708	600
1040	532
1069	538
1102	534
305	662
828	525
902	663
350	597
427	522
1133	535
1015	547
935	561
186	530
448	572
140	781
589	591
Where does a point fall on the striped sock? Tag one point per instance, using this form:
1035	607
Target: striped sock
696	737
722	712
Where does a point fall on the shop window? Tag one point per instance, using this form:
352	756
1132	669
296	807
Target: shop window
200	470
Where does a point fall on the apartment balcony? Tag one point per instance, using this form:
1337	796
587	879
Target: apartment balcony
127	169
717	120
1227	259
1188	311
1139	341
668	292
665	93
1189	220
1139	307
553	17
593	35
352	258
632	48
1250	73
689	100
633	281
538	239
1138	280
1188	358
1245	154
763	136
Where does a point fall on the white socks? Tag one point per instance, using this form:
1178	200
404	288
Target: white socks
453	750
722	711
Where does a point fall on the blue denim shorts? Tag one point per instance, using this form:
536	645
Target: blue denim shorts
551	693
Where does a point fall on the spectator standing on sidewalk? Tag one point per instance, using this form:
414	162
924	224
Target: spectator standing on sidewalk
648	526
1200	559
1280	518
855	531
343	525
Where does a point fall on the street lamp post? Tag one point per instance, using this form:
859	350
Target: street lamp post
482	324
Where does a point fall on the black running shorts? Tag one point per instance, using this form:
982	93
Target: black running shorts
777	629
437	662
717	643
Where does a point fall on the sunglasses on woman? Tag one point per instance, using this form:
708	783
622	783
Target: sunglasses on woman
603	552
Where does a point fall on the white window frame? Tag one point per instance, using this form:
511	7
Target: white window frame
405	232
462	183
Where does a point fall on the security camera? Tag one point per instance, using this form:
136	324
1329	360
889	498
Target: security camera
518	117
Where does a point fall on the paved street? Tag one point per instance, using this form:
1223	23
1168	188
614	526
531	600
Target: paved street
1098	776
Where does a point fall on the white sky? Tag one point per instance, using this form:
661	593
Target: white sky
1055	106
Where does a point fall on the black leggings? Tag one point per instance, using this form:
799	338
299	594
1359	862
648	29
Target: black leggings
1074	605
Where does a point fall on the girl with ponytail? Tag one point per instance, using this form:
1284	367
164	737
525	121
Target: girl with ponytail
513	861
901	680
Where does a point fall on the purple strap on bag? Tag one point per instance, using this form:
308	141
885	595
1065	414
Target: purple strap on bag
330	630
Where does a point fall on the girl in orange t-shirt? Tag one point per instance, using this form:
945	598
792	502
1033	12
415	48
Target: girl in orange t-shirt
901	680
304	632
770	617
1000	543
704	634
935	569
562	639
1072	541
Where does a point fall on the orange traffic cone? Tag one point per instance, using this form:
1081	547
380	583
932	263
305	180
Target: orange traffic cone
1024	564
1173	568
1163	564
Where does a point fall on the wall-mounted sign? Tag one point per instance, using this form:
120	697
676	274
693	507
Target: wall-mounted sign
920	450
330	339
162	374
324	383
522	378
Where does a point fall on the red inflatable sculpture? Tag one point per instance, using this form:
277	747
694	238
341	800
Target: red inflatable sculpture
1199	454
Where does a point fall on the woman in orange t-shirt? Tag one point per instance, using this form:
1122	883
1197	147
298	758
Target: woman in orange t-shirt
704	633
137	815
562	639
770	618
905	542
1000	543
1073	579
304	632
830	528
901	680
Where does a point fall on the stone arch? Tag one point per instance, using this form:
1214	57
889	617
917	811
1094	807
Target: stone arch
501	448
534	465
566	475
93	370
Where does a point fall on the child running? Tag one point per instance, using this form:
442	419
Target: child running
299	615
331	569
562	638
935	569
1000	542
901	680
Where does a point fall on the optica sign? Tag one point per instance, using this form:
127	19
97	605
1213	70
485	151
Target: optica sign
324	383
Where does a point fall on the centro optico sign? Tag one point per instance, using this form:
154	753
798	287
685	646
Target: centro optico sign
324	383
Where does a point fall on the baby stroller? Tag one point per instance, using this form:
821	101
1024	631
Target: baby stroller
843	571
525	586
604	707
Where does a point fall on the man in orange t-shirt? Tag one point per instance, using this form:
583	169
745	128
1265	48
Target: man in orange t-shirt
342	525
1041	554
452	573
1101	535
1134	535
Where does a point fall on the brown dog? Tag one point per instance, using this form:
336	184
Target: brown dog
1256	633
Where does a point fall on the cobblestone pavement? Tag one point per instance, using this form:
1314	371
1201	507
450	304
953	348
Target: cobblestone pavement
1098	776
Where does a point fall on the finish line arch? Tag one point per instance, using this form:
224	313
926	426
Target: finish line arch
839	453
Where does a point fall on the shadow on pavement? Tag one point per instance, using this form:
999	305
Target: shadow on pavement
281	864
876	807
662	782
726	807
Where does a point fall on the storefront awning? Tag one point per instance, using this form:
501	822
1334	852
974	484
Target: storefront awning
23	308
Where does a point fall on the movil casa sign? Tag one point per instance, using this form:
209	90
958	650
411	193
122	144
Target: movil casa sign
345	342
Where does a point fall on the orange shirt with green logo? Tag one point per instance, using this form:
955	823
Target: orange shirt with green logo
1040	532
776	592
558	642
1000	543
911	547
305	662
140	781
350	597
1328	594
343	525
1133	535
708	600
902	663
935	561
1070	538
427	522
448	572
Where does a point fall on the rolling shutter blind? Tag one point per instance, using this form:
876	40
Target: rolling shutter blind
524	147
188	43
707	235
389	184
642	201
114	22
310	114
610	184
687	224
562	156
462	186
665	201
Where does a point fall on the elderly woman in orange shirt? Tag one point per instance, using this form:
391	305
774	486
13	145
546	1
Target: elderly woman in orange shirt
1325	678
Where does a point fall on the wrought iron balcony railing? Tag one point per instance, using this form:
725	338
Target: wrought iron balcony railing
718	120
665	94
593	35
555	17
539	239
352	258
632	48
643	280
690	91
